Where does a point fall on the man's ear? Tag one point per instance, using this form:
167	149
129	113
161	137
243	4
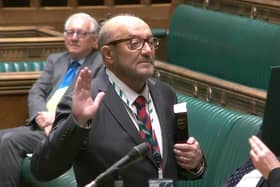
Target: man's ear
107	54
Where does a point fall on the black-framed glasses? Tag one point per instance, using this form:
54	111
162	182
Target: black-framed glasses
136	43
79	34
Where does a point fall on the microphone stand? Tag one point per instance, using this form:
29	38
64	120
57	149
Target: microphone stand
118	182
137	153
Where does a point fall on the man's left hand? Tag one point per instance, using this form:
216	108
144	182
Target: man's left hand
188	155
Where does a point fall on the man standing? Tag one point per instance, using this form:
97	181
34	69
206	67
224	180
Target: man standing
123	107
56	80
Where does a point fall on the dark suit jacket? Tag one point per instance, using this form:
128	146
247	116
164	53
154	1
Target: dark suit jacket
111	136
56	66
273	178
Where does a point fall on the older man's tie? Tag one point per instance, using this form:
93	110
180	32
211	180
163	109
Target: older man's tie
145	128
63	86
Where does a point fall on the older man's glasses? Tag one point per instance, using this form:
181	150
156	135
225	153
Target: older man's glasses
79	34
136	43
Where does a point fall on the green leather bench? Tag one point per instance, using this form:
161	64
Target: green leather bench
22	66
226	46
222	133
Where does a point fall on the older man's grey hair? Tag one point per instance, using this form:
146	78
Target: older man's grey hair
94	26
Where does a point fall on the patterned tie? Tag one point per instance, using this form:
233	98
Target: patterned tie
63	86
239	173
145	128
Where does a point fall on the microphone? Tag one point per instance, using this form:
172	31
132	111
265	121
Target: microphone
135	154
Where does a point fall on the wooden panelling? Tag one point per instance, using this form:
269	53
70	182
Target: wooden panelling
28	31
214	90
29	43
14	89
156	14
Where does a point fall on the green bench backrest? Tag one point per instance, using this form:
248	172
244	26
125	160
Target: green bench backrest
227	46
22	66
236	148
223	135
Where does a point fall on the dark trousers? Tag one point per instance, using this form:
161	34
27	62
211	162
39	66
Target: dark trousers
15	143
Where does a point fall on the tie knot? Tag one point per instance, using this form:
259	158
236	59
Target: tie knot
140	101
75	64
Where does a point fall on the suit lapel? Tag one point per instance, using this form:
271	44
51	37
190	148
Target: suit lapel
62	65
161	113
60	68
116	107
262	183
118	110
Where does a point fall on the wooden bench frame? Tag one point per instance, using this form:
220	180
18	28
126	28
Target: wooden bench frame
212	89
34	43
14	89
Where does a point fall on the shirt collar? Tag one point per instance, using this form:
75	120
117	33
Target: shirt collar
80	61
130	94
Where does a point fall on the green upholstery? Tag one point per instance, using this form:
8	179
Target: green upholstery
22	66
67	179
227	46
222	133
235	144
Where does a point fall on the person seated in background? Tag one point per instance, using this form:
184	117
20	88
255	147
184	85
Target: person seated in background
56	80
261	170
122	107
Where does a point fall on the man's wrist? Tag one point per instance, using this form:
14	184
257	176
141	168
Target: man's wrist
200	168
83	124
86	125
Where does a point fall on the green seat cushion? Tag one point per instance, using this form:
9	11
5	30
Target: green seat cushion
67	179
22	66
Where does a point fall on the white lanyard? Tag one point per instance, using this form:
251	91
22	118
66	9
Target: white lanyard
126	101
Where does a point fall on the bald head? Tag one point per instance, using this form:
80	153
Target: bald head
115	27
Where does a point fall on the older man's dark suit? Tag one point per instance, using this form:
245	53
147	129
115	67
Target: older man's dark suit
111	136
16	142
